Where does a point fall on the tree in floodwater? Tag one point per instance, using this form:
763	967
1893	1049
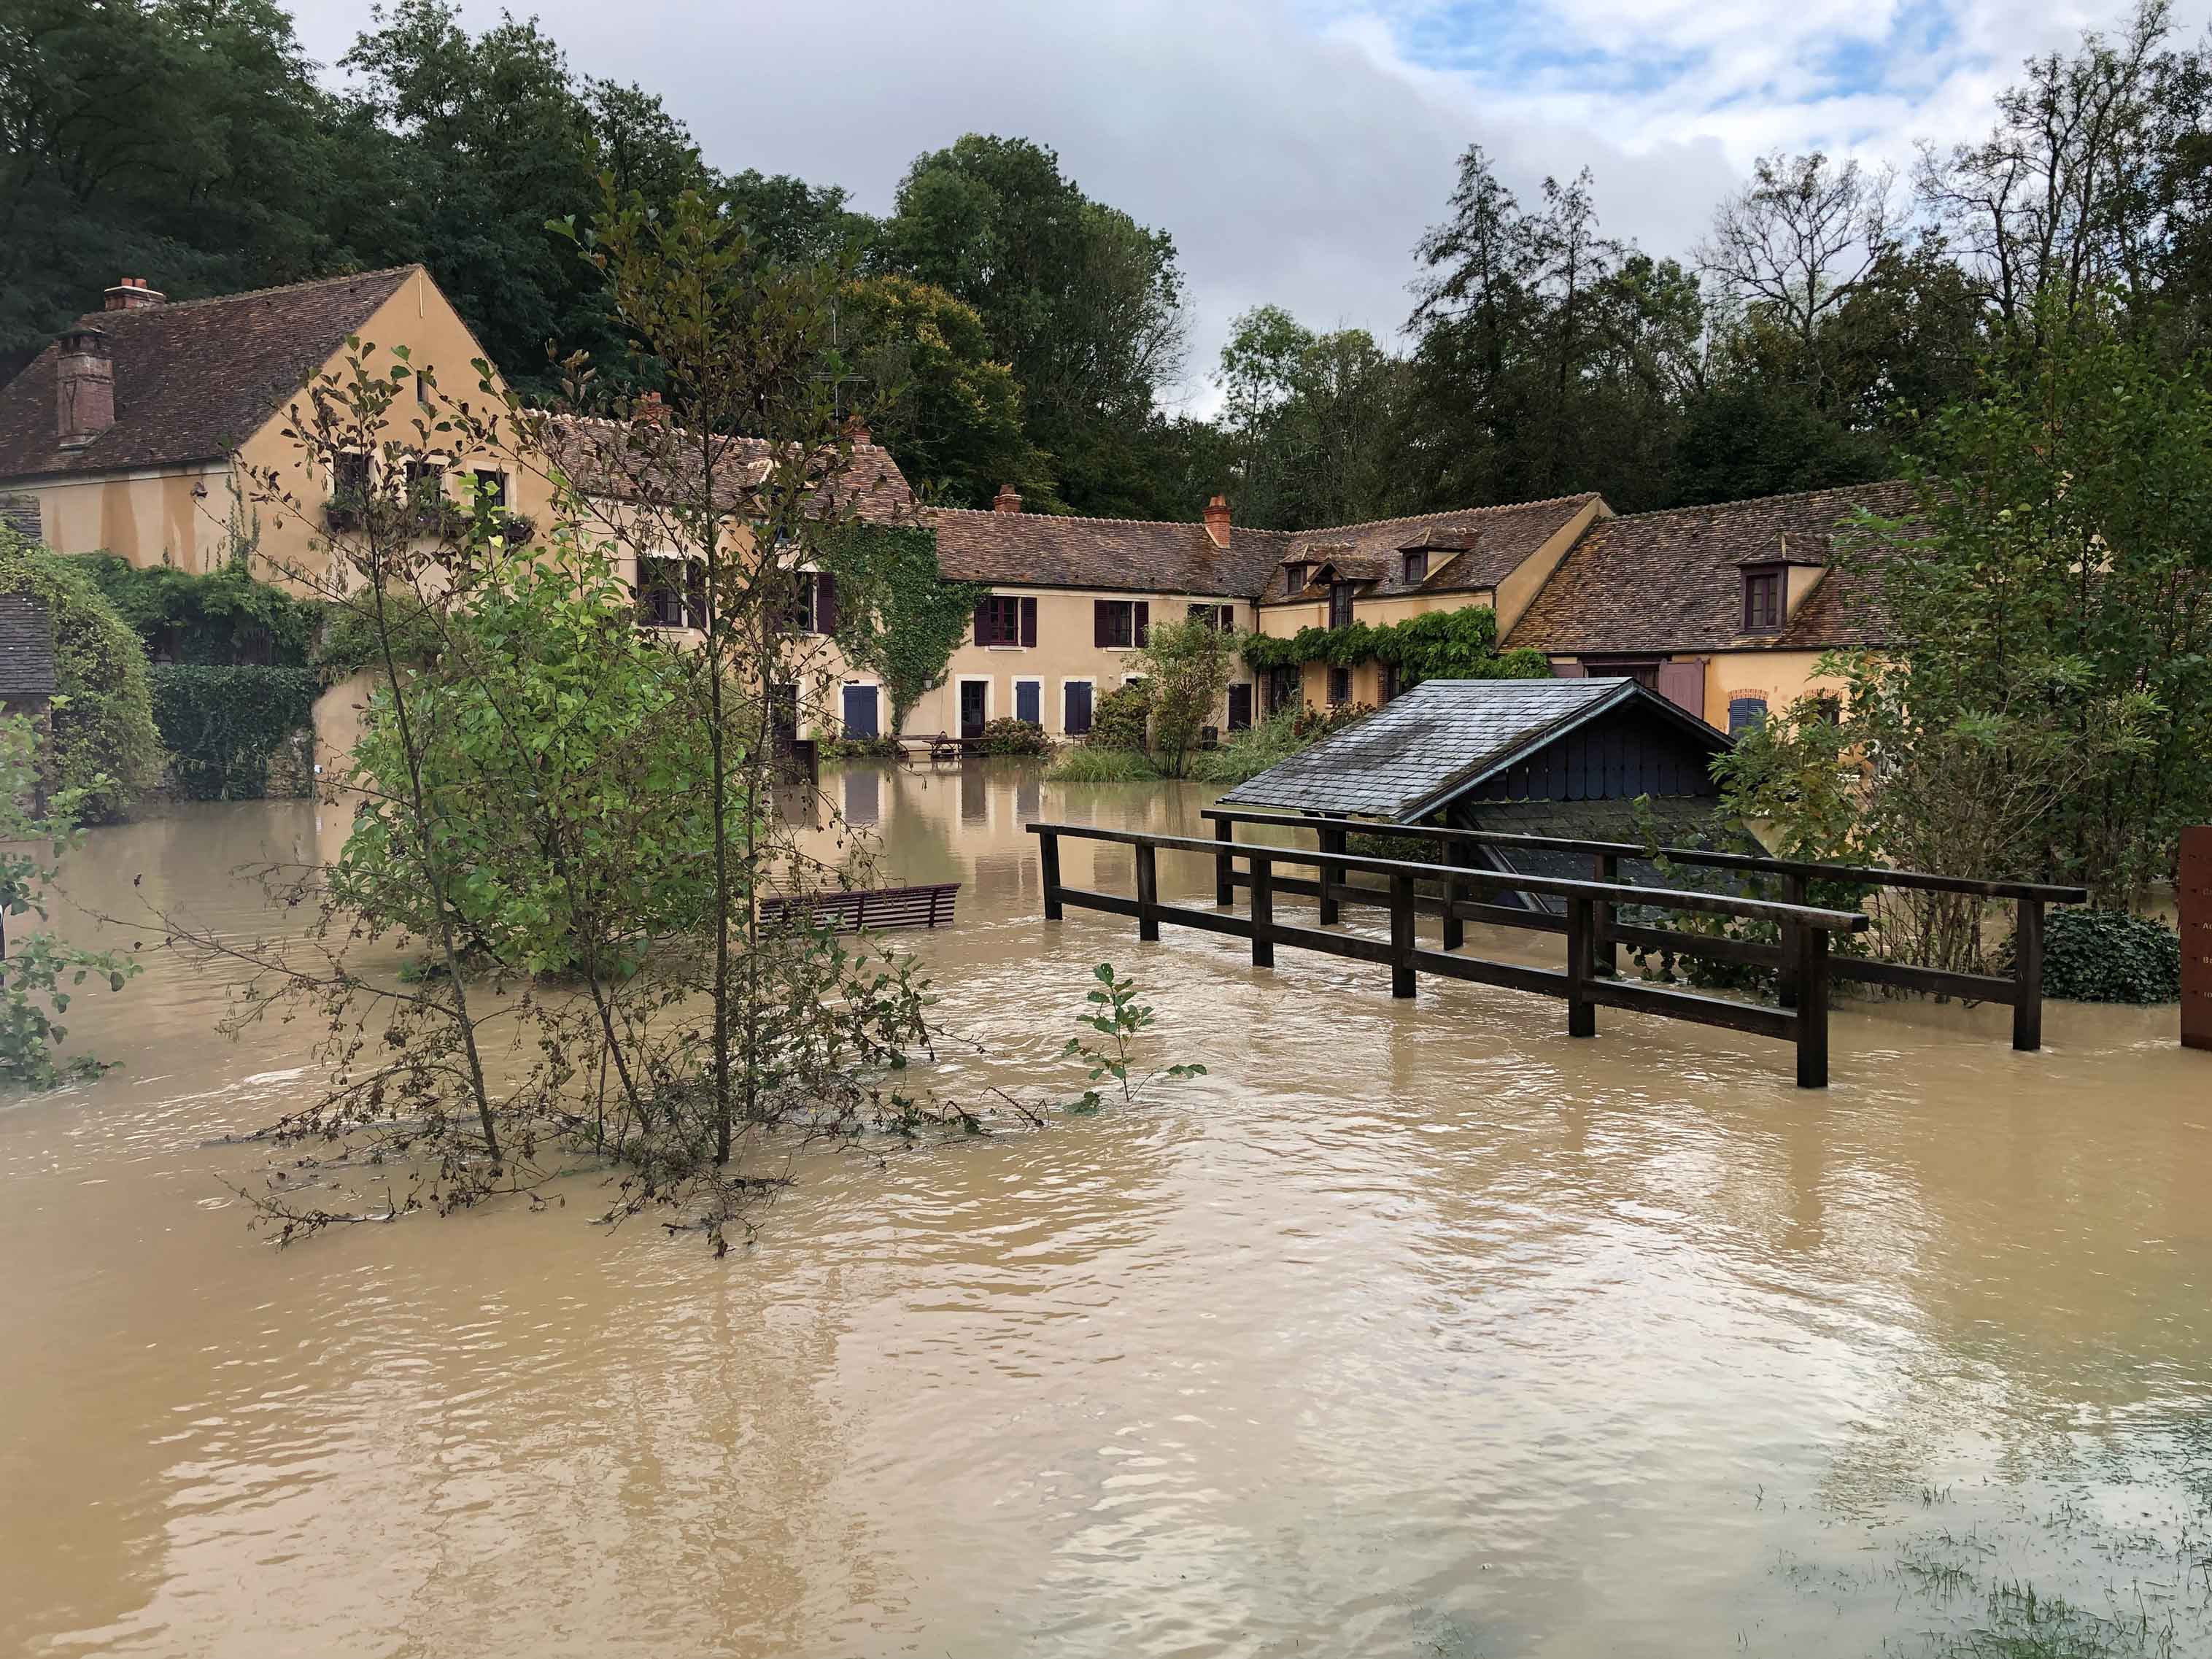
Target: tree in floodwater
40	974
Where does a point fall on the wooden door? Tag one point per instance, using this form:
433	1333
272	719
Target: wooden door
974	697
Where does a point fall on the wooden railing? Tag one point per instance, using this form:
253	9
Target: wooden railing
2022	990
1805	929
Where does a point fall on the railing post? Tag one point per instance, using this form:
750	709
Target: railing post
1582	1012
1048	856
1401	936
1148	893
1332	841
2028	977
1812	955
1456	853
1785	977
1608	960
1263	910
1224	867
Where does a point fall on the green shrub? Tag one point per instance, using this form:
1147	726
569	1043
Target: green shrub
102	740
224	616
1013	737
221	725
2105	956
1084	765
1244	755
1120	720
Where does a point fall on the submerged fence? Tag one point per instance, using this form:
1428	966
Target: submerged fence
1805	929
2021	990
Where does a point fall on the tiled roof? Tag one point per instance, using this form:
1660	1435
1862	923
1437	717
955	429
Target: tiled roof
27	647
1474	548
21	515
193	378
1040	550
1670	581
1438	737
632	461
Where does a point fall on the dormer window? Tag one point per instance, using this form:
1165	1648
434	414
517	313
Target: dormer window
1417	566
1764	606
1294	576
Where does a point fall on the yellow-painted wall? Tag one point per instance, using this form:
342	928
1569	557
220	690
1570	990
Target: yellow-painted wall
1781	677
180	516
1521	584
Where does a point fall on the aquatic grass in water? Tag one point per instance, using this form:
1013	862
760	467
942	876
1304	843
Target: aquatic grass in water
1087	765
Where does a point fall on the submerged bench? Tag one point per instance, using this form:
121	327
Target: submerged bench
873	907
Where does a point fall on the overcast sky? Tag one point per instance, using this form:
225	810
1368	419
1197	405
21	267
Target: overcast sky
1297	148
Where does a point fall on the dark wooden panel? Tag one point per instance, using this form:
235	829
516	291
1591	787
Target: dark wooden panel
1972	988
1699	1010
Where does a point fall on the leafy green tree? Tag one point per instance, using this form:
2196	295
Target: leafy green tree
1081	301
950	413
1317	423
40	974
2054	588
1187	666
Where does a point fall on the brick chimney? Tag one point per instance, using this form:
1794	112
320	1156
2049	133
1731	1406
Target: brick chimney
1216	521
1006	501
84	388
131	293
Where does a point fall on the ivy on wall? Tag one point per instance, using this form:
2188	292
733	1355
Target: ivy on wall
221	723
898	615
1437	645
226	616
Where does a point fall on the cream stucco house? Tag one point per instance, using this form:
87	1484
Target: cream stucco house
135	433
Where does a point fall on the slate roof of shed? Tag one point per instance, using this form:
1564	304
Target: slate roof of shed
1470	549
1671	580
27	647
193	378
1042	550
1440	736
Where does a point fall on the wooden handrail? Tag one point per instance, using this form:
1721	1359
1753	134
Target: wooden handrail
1668	898
1870	875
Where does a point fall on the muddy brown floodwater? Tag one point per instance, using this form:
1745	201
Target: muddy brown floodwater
1411	1328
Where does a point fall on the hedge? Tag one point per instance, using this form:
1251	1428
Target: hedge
2105	956
221	725
103	721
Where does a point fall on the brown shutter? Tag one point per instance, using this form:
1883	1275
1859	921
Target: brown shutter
1569	669
1101	631
984	622
1683	685
694	590
1029	623
1143	625
825	603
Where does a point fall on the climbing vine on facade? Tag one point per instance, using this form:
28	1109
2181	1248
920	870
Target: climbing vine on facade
1438	645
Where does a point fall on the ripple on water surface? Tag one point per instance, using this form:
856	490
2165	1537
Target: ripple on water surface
1406	1329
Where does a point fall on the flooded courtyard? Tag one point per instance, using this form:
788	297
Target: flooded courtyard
1410	1329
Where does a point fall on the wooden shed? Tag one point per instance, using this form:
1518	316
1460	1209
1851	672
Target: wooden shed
1602	759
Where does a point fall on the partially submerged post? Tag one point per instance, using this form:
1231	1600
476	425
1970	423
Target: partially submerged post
2195	890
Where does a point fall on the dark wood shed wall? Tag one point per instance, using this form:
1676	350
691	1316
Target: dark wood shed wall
1623	753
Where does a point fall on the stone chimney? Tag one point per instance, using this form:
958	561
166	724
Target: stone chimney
132	293
1216	521
84	388
1006	501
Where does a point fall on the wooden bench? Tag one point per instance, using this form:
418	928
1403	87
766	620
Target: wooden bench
874	907
940	746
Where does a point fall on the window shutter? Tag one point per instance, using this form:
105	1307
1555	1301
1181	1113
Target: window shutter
1144	621
1101	632
1029	623
825	603
695	592
1683	685
984	622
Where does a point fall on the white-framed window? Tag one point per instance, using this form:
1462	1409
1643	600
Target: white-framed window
672	593
1120	624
